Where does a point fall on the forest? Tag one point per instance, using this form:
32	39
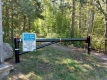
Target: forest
57	19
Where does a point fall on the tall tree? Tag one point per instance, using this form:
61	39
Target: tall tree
73	20
80	5
19	15
99	6
92	15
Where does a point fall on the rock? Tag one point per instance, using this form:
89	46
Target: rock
5	69
8	51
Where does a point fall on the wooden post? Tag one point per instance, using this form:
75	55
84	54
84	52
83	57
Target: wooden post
1	34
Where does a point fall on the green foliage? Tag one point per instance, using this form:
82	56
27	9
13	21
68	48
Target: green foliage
18	17
83	1
30	8
52	19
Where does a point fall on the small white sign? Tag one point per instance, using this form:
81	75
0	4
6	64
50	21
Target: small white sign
29	41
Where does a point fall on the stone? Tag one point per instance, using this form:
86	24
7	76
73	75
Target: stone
5	69
8	51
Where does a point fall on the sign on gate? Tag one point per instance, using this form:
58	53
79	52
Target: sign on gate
29	41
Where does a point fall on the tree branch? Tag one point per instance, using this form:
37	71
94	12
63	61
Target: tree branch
100	7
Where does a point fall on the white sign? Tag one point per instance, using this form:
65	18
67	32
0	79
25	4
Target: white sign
29	41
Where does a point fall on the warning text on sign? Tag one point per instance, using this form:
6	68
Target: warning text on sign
29	41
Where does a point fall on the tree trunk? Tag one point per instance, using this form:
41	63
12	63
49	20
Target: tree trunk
7	23
73	20
3	21
79	25
29	25
92	16
12	28
24	23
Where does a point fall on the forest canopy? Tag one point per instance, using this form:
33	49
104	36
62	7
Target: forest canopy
56	19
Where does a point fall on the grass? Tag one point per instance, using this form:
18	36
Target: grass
53	64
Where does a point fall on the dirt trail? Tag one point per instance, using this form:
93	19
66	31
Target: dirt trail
79	50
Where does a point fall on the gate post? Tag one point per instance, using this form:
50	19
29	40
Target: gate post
89	44
16	44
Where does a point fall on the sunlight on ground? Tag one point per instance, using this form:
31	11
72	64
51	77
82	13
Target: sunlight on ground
29	76
44	58
87	67
67	61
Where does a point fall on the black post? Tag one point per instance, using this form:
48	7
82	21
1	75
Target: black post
89	44
16	43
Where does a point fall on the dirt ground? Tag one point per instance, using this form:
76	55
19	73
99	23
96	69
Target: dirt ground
100	55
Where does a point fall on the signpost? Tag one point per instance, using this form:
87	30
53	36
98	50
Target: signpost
29	41
1	35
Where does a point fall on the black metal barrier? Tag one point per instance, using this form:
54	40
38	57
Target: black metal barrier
52	41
